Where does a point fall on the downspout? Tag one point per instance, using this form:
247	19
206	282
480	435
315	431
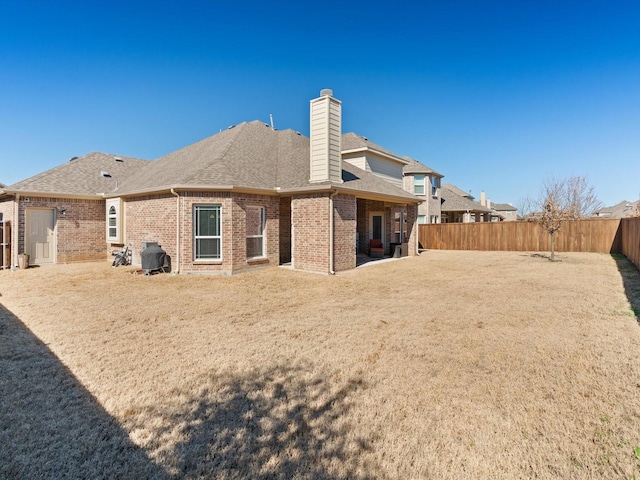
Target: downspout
331	227
173	192
15	229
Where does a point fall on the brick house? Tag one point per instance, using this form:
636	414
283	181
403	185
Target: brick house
247	197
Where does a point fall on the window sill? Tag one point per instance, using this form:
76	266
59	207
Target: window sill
207	262
255	260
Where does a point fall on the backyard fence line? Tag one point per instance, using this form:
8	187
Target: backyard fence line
588	235
630	237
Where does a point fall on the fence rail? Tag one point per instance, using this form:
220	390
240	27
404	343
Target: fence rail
589	235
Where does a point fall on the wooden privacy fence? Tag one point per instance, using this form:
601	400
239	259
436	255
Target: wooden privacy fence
630	233
5	245
589	235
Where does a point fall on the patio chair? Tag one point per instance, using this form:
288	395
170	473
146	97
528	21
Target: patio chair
375	248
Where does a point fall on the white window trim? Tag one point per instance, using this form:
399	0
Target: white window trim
263	220
116	204
197	237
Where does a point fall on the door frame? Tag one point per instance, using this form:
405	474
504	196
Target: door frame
370	232
27	234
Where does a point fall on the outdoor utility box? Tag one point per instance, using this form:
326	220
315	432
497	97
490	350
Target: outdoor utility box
23	261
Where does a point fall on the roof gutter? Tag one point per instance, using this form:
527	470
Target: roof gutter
194	188
350	191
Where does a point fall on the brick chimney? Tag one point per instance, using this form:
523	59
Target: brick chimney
326	138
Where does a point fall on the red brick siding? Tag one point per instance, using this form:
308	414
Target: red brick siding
80	233
153	218
150	219
310	219
344	230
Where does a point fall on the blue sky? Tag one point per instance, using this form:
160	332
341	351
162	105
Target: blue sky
496	96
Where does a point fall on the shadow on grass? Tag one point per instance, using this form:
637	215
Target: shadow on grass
50	425
277	423
631	281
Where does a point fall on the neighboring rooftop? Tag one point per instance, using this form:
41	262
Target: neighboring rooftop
452	201
503	207
458	191
619	210
416	167
353	141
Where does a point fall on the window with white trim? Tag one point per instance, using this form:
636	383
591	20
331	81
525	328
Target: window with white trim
114	234
422	219
207	232
418	184
256	222
400	227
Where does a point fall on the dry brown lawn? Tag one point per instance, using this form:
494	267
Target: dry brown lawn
477	365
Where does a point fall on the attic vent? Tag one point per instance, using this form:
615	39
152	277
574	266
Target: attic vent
105	174
365	138
230	127
297	133
267	125
118	159
72	159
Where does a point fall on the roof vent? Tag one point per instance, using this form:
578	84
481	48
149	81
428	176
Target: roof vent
118	159
326	92
105	174
72	159
230	127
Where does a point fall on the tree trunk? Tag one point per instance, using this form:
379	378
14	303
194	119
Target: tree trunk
553	245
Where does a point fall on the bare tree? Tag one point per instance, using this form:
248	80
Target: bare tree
562	200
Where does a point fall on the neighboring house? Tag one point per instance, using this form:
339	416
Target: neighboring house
458	206
247	197
506	212
623	209
424	182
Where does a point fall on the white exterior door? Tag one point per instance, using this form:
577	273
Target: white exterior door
40	239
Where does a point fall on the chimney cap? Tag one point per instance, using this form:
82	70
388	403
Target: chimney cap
326	92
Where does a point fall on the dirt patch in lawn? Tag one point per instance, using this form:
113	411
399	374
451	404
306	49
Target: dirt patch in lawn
448	365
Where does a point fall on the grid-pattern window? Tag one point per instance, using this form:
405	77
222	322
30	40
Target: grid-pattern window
113	222
418	184
400	227
256	220
207	232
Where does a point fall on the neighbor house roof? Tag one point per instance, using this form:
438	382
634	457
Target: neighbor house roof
416	167
619	210
89	176
503	207
251	156
457	190
451	201
354	142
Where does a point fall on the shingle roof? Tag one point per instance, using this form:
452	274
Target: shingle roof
457	190
353	141
249	155
454	202
82	176
416	167
619	210
503	207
